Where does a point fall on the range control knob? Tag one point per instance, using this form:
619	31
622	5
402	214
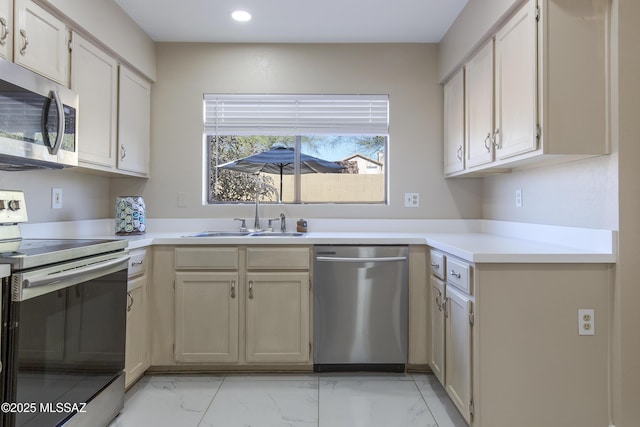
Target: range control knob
3	205
14	205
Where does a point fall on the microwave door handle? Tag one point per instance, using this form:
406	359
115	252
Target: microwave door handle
61	126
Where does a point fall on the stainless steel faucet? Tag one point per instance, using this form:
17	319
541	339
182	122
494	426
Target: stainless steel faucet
261	187
283	223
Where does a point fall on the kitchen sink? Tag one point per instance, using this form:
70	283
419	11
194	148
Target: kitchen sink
247	234
276	234
221	234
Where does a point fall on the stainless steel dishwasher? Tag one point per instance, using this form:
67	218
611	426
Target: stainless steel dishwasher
360	308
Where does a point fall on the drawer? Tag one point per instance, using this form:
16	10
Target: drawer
207	258
437	264
137	262
459	274
278	258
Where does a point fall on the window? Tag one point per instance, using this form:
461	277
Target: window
297	148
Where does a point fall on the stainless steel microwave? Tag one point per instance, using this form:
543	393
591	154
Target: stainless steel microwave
38	121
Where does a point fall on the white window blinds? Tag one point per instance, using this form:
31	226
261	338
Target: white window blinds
296	114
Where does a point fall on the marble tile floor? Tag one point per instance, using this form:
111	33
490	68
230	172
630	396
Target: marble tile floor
323	400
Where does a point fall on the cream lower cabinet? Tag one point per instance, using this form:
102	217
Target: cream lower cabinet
206	317
437	359
277	317
242	305
137	355
512	352
458	312
451	329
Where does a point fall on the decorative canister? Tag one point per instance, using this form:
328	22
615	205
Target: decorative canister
130	215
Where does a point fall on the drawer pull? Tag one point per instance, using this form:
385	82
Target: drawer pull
435	265
134	263
454	274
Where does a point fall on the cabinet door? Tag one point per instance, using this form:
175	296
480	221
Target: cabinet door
6	29
277	317
206	323
136	354
454	123
94	76
479	107
437	359
134	109
458	350
515	85
41	42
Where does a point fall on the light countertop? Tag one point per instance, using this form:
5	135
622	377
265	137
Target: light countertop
477	241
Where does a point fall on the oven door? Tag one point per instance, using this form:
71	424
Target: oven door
67	338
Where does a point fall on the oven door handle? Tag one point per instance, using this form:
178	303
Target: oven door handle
71	277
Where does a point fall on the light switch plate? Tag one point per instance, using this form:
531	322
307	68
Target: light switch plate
56	198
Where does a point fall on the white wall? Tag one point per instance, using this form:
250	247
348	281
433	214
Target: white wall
83	196
407	72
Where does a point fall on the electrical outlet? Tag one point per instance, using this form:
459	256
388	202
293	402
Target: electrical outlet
518	198
586	321
411	200
56	198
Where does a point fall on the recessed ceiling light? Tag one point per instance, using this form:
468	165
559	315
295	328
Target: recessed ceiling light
241	15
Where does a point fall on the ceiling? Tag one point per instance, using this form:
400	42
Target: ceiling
296	21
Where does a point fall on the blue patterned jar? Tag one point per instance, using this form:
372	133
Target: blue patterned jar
130	215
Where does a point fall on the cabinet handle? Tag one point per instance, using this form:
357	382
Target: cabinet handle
134	263
495	139
5	31
454	274
435	264
123	152
459	153
130	301
488	145
25	42
444	306
438	303
233	289
250	289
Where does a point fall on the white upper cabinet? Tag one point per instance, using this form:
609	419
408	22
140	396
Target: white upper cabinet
94	76
454	123
41	42
479	107
516	115
6	29
134	123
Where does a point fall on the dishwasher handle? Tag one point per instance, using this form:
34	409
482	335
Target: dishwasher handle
365	259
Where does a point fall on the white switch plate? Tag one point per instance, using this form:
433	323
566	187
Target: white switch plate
56	198
586	321
411	200
518	198
182	199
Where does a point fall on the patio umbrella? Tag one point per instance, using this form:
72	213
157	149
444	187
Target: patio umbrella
280	160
